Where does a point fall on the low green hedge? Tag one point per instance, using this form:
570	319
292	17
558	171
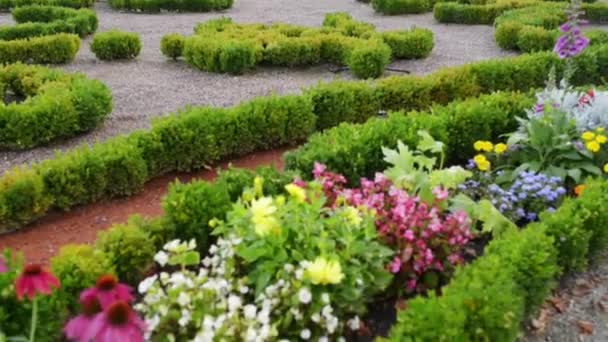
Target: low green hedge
57	105
220	45
8	4
114	44
484	13
487	300
198	137
171	5
535	28
36	21
55	49
402	6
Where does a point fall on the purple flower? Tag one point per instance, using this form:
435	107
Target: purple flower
572	43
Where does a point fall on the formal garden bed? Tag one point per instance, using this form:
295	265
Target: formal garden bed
422	208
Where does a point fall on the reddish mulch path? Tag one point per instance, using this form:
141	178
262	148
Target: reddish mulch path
41	240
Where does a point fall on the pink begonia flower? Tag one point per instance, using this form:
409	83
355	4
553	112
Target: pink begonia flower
395	265
440	193
33	280
117	322
78	326
108	290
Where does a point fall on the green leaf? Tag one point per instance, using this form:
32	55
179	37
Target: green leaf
428	144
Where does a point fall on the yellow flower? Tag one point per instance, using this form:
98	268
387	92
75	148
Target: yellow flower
482	163
352	215
588	136
323	271
481	145
600	129
606	167
601	139
258	186
296	192
593	146
262	211
500	148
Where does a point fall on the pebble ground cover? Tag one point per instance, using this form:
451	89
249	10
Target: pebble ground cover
441	206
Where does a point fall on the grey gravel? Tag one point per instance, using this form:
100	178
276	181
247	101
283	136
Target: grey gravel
153	86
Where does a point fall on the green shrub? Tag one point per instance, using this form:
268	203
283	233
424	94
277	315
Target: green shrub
22	198
234	180
172	45
36	20
54	49
114	44
369	60
58	105
129	249
236	57
171	5
402	6
8	4
417	43
78	267
190	207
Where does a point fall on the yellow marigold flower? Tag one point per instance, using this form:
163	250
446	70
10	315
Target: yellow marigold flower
500	148
296	192
606	167
482	162
481	145
352	215
578	190
479	158
601	139
262	211
593	146
588	136
323	271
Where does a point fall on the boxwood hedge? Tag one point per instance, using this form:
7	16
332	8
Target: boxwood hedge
8	4
115	44
57	105
200	136
171	5
45	34
220	45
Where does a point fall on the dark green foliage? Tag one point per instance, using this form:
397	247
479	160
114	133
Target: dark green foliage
58	105
219	45
172	45
129	249
171	5
8	4
114	44
36	21
402	6
78	267
54	49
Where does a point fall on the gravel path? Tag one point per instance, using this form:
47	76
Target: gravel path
152	86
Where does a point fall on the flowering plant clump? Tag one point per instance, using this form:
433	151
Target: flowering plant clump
427	240
529	195
213	302
572	42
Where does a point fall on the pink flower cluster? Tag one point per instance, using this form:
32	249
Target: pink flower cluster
106	315
424	236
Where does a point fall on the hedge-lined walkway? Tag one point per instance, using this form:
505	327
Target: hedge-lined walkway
151	85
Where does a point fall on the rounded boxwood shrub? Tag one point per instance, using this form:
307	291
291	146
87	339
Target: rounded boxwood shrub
172	45
114	44
57	105
370	60
171	5
54	49
416	43
402	6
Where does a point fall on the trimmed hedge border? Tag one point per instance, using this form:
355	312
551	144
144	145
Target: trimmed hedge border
8	4
535	28
171	5
201	136
219	45
45	34
58	105
392	7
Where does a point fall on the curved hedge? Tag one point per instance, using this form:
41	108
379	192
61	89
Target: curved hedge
171	5
197	137
402	6
535	28
57	105
220	45
45	34
8	4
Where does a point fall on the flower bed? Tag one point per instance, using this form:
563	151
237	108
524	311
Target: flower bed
45	34
220	45
202	136
171	5
56	105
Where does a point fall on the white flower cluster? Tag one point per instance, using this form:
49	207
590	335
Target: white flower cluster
220	306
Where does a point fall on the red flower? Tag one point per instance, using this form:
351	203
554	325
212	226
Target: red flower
108	290
78	326
118	322
34	280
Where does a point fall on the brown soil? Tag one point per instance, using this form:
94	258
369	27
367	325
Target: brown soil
41	240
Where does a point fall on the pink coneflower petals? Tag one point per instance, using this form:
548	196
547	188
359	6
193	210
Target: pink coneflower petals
117	323
34	279
79	325
108	290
